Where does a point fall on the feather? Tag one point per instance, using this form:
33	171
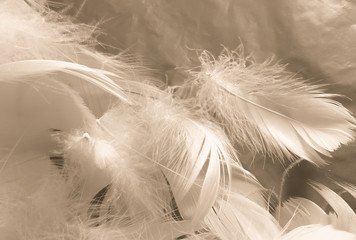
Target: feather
36	32
31	110
345	217
53	45
192	156
154	166
189	153
298	212
349	188
27	69
34	199
240	218
268	109
197	160
318	232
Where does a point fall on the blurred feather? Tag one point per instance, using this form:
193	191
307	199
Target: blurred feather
318	232
266	108
31	110
345	217
298	212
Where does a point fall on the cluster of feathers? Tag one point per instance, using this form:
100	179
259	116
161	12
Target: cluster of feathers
94	147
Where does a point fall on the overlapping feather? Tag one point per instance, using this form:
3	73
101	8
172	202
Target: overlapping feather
298	213
174	152
40	41
153	166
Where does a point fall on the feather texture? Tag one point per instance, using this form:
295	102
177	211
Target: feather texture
173	168
268	109
133	161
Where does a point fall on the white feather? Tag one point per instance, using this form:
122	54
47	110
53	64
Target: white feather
298	212
29	69
345	217
240	218
268	109
167	162
315	231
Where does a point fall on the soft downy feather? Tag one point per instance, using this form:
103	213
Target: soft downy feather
34	201
267	108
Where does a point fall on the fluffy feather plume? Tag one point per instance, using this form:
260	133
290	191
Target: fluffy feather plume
267	108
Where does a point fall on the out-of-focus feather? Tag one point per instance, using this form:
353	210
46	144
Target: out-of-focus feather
34	199
318	232
268	109
345	217
39	33
31	110
349	188
298	212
